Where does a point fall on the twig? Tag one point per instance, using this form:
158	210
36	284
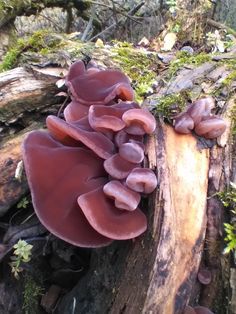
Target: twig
89	26
117	10
221	26
131	12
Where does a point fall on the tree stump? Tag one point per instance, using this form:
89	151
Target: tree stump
157	272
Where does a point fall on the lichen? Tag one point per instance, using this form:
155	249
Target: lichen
138	65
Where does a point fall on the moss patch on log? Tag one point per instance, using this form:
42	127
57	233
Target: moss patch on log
41	41
138	65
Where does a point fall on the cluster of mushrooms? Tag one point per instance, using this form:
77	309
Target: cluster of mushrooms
198	117
85	172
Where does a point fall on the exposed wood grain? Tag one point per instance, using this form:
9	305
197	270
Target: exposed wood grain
155	274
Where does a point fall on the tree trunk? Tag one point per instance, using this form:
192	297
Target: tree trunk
157	272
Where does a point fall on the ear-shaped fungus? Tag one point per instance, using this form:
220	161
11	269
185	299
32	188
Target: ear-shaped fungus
107	220
211	127
57	175
139	122
97	142
184	124
124	197
97	87
198	117
142	180
68	169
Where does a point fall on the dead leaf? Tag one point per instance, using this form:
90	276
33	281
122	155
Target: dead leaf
169	41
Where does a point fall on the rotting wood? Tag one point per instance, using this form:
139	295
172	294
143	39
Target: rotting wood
154	273
157	272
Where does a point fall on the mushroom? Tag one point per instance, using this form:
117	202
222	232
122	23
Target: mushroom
123	196
103	118
201	108
96	141
97	87
210	127
57	175
104	217
132	152
122	137
139	122
142	180
117	167
204	276
74	111
198	117
184	124
65	167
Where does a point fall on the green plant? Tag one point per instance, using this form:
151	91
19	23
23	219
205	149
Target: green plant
23	203
228	199
22	254
170	105
32	292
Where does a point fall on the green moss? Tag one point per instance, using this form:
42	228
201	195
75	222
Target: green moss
40	41
137	65
31	294
170	105
183	58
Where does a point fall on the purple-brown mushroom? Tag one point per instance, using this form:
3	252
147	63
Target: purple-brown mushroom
139	122
96	141
142	180
117	167
211	127
97	87
132	152
57	175
184	124
65	167
204	276
104	217
198	117
124	197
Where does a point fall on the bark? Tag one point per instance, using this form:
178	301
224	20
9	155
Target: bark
155	273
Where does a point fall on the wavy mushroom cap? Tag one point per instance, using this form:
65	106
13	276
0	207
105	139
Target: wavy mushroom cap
142	180
80	131
56	179
211	127
104	217
98	87
117	167
124	197
201	108
75	111
204	276
139	122
122	137
132	152
184	124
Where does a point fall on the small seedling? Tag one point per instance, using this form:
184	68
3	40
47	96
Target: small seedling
22	254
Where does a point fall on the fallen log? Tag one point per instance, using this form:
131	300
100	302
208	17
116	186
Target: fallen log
157	272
